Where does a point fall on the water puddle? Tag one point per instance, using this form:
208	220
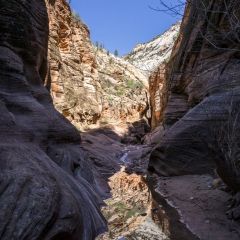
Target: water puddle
123	157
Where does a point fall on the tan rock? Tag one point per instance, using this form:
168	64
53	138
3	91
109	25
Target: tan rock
124	88
158	95
73	77
217	182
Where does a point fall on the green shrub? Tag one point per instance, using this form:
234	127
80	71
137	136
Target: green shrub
130	83
120	91
134	84
110	100
106	83
103	85
105	121
76	17
121	207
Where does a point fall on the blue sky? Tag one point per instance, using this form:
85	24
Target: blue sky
121	24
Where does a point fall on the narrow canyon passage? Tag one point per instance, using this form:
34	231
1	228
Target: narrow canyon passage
129	208
93	146
142	205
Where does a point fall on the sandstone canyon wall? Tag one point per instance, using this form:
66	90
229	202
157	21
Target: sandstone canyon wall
150	58
203	83
124	88
73	76
47	187
87	84
158	95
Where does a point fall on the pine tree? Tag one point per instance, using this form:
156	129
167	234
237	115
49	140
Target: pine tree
116	53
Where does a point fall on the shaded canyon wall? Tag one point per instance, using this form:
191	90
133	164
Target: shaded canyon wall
47	187
202	81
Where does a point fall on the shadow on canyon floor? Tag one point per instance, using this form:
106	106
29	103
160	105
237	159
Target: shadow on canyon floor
179	203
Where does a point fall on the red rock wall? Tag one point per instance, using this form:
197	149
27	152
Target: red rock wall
73	76
74	81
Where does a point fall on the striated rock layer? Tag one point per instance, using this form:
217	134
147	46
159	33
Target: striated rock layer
87	84
203	81
73	76
46	185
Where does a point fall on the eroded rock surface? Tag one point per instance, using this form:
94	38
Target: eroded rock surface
201	207
203	82
47	187
158	95
124	89
87	84
148	56
73	76
129	210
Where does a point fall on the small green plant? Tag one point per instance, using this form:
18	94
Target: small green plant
103	85
130	83
105	121
134	84
131	213
110	100
76	17
106	83
107	52
121	207
120	91
166	60
110	61
109	201
176	36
